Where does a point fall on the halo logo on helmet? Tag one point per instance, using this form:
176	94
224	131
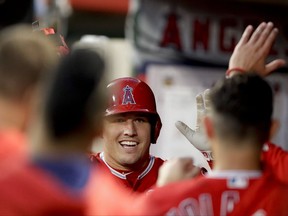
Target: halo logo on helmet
128	94
128	97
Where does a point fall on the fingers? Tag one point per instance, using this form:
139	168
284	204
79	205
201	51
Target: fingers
268	33
274	65
257	33
269	41
187	163
185	130
264	37
194	171
200	110
207	100
246	35
176	170
250	54
190	169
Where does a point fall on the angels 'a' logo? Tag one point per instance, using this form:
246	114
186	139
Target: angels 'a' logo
128	96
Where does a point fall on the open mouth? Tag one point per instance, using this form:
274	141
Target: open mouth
128	144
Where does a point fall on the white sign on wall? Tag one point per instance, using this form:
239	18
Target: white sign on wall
175	89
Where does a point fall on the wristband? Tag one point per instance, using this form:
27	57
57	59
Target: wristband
209	158
228	72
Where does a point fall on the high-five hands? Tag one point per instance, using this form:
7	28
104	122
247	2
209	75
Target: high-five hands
252	50
249	55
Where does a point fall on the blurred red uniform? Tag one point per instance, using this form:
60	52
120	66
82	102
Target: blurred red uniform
137	181
220	193
276	159
106	197
238	183
28	190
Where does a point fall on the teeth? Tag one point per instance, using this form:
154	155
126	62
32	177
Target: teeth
128	143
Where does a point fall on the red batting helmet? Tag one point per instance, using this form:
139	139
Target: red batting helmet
133	95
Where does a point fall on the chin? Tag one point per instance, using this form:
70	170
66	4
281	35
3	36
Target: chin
129	162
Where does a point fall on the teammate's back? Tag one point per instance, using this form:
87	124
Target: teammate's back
220	193
237	128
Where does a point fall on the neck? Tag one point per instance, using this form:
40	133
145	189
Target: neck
12	115
230	157
138	166
42	145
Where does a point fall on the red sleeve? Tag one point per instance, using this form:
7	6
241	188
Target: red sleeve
276	159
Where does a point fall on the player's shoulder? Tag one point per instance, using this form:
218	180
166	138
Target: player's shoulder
12	142
271	181
95	157
156	161
270	146
27	183
33	181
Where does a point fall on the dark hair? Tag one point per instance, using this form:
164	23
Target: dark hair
71	101
244	106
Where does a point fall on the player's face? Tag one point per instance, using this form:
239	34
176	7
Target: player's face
127	140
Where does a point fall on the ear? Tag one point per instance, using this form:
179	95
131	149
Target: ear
98	133
274	128
208	127
98	128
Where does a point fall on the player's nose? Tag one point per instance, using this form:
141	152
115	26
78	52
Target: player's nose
129	128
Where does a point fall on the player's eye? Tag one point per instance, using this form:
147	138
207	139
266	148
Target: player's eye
116	119
141	119
120	120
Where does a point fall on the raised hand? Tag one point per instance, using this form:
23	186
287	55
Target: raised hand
252	50
198	136
176	170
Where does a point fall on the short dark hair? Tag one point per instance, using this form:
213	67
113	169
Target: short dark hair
244	106
75	94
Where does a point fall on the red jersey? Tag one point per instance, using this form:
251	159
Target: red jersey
28	190
138	181
277	160
219	193
107	197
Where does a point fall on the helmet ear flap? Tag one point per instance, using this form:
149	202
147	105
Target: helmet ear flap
156	131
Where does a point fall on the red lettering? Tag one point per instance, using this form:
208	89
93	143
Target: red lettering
201	34
228	201
227	40
171	34
213	36
205	202
189	206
